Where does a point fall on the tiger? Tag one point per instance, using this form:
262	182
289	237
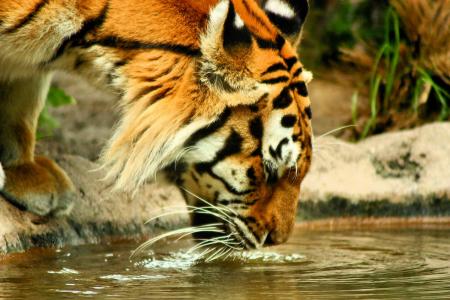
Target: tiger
212	95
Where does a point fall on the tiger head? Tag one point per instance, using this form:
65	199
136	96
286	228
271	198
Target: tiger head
243	138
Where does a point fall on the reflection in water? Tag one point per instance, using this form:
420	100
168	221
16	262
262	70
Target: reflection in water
337	264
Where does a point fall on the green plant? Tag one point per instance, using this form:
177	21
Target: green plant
407	79
56	98
425	84
389	52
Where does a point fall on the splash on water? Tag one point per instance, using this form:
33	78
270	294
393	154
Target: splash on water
182	260
267	257
125	278
64	271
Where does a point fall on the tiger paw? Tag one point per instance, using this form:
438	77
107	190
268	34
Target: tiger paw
40	187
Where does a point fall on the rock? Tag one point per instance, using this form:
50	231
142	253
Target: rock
99	213
396	174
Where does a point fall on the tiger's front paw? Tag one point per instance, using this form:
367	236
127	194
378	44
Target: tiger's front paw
40	187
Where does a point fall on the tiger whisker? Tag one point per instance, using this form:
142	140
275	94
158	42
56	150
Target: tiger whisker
228	243
335	130
167	214
204	253
212	243
231	241
222	240
223	253
230	209
204	210
183	236
329	145
194	229
185	231
209	258
218	212
206	245
323	154
191	209
228	255
207	202
217	254
183	153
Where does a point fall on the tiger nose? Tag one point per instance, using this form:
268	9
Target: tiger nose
275	238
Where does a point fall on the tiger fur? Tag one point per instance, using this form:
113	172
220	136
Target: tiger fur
212	94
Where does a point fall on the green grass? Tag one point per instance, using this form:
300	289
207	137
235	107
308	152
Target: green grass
389	69
47	123
441	94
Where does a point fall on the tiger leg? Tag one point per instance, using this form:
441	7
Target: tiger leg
33	183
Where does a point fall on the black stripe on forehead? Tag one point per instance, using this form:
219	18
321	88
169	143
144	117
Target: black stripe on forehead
276	80
209	129
273	68
300	87
297	72
290	62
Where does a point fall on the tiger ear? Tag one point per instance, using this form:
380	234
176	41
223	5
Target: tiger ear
226	32
289	17
226	47
235	36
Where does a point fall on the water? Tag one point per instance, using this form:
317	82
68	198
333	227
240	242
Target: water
370	263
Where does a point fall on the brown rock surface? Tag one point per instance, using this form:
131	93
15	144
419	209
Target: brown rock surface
99	214
404	173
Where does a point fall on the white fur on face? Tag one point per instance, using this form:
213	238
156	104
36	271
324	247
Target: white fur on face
159	157
273	135
234	174
206	149
2	177
280	8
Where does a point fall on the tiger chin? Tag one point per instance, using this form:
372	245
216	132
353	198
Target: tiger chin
212	94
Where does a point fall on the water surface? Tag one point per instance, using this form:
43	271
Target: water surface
371	263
